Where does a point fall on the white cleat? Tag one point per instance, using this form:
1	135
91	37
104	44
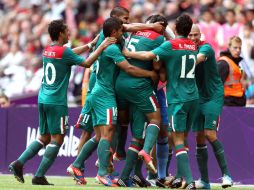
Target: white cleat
226	181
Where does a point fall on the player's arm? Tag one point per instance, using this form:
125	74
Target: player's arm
201	58
93	57
86	47
134	27
162	74
141	55
136	71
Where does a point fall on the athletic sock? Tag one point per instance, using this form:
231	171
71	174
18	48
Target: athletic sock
219	154
170	153
202	159
152	131
88	148
48	158
131	159
30	151
104	156
122	136
162	156
183	166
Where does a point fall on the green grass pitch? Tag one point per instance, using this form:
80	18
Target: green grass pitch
8	182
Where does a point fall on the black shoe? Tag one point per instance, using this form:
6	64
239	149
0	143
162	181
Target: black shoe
140	181
124	183
17	169
40	181
177	183
160	183
191	186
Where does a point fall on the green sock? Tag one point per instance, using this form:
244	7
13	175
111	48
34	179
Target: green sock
152	131
48	159
202	159
219	154
152	176
138	167
104	156
88	148
183	166
170	153
115	139
30	151
122	136
131	159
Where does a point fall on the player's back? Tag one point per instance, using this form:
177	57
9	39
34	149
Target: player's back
207	77
57	62
145	40
180	59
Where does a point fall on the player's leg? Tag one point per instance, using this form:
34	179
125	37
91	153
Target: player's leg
16	167
212	121
201	152
57	121
181	118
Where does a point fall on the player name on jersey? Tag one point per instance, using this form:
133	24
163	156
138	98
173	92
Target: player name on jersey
183	44
54	52
148	34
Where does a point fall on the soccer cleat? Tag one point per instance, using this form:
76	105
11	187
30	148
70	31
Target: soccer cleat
40	181
200	184
191	186
140	181
118	158
113	178
160	182
148	160
105	180
124	183
169	179
17	169
226	181
177	183
77	174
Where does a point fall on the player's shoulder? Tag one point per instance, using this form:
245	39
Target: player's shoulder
112	48
149	34
183	44
54	52
204	46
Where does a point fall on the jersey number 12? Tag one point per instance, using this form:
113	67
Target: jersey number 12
190	74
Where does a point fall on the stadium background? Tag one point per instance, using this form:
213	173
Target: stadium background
23	35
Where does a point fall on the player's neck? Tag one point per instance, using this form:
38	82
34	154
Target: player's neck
57	43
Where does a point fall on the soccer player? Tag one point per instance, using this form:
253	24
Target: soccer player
179	56
52	99
211	98
85	119
139	94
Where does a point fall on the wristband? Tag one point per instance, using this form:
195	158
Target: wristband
89	45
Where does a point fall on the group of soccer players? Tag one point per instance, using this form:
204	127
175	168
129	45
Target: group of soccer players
128	62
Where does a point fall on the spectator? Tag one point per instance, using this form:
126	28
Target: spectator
232	74
4	101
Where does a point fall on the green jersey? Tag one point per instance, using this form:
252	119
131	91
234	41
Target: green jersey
207	77
179	56
145	40
107	70
57	62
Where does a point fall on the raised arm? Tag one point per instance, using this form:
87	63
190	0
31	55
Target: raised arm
86	47
141	55
93	57
134	27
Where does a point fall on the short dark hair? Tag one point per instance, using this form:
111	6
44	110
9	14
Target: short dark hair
183	24
118	11
55	28
157	18
111	24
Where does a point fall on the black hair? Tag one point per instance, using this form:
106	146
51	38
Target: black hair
55	28
183	25
118	11
111	24
157	18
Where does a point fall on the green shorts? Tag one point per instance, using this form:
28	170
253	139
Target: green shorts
104	110
53	119
85	118
208	116
138	122
144	98
182	115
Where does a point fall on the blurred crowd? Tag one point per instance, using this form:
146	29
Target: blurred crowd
23	31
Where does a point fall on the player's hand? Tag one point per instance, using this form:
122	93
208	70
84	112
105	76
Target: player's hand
95	40
108	41
158	27
125	52
154	77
